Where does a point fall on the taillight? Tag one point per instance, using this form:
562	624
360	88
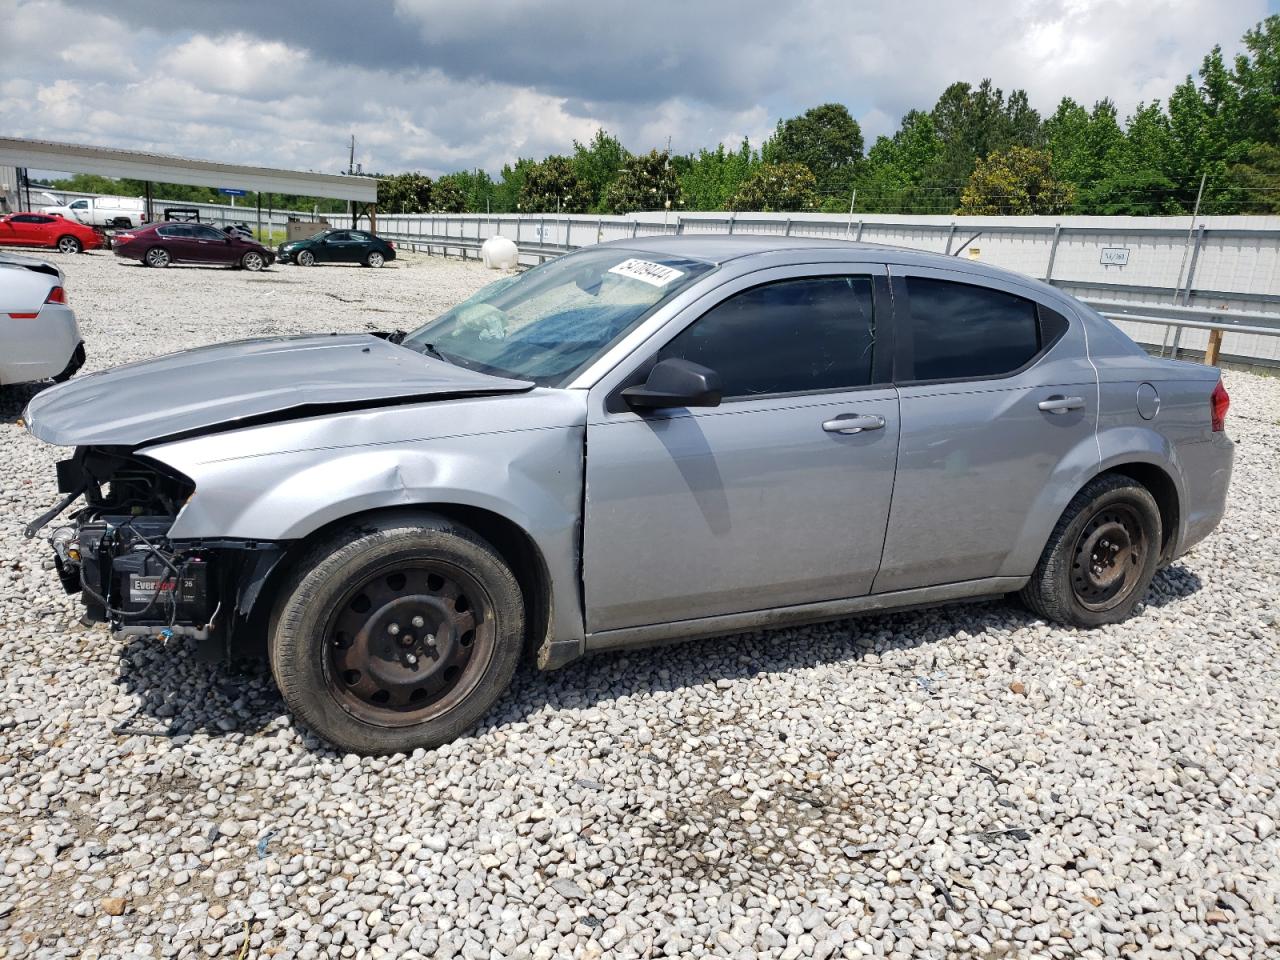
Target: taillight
124	236
1219	402
56	295
391	244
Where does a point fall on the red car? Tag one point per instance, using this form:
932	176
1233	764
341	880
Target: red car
47	230
164	243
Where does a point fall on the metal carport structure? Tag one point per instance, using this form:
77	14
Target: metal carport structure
161	168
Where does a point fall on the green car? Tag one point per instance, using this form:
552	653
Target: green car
338	246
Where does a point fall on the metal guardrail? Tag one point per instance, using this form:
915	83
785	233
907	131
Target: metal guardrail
1175	319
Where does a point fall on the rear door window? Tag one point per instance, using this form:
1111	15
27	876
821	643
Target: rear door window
961	331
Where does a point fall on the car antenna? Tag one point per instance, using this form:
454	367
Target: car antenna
966	243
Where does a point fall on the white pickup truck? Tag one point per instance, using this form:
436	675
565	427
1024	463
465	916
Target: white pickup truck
103	211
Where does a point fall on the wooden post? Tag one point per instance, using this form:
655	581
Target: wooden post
1214	348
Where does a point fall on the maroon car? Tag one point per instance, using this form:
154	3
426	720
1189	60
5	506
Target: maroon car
164	243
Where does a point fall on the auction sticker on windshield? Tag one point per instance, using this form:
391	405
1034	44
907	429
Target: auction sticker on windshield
646	271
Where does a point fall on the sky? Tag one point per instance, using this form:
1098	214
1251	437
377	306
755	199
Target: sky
438	85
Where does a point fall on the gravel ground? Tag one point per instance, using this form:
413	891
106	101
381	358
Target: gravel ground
960	782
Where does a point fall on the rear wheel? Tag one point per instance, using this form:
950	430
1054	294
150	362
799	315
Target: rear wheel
252	261
306	259
1100	557
70	244
397	634
374	259
157	257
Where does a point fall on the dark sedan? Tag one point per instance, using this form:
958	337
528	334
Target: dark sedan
166	243
338	246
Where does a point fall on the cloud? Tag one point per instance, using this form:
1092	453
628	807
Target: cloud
436	85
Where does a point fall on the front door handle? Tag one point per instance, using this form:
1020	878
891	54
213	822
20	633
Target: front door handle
853	423
1060	404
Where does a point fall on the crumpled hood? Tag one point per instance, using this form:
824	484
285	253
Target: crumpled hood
223	386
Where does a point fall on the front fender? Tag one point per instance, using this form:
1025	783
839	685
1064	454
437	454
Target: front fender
532	478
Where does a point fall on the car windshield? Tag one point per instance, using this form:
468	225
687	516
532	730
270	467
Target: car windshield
317	236
550	322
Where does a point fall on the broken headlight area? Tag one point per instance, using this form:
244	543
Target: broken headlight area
116	551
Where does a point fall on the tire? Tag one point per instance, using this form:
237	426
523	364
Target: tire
157	257
305	259
374	259
70	244
397	689
253	261
1101	556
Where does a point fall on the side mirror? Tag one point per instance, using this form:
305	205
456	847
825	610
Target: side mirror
675	383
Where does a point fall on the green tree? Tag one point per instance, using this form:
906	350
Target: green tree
552	186
506	192
597	164
895	177
405	193
1254	185
448	195
1015	182
645	182
777	188
1086	148
974	123
826	139
710	178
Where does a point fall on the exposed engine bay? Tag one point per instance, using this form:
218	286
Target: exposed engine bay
116	552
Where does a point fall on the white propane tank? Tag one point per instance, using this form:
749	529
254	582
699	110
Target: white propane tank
499	253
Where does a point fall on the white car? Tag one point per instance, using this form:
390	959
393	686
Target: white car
103	211
39	337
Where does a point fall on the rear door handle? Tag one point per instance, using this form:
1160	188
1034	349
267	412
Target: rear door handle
1060	404
853	423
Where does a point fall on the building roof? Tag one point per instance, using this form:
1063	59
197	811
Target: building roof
161	168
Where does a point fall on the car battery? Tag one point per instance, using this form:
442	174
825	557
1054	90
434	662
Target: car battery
135	575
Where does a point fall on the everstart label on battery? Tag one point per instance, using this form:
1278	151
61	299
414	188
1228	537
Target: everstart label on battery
646	271
143	589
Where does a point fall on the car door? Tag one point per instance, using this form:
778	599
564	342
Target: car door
998	404
331	248
768	499
24	228
81	210
177	239
210	245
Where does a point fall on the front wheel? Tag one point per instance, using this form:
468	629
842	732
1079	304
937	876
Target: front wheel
252	261
1100	557
157	257
396	634
69	244
306	259
374	259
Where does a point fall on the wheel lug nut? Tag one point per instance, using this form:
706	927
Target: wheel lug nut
393	629
419	622
431	639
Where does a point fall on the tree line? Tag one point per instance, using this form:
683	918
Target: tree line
975	151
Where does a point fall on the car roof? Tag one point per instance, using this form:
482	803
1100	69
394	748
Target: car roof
719	249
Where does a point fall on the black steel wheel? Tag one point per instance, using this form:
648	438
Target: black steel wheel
396	634
1100	557
408	643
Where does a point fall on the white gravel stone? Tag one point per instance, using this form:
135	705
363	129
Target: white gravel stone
865	788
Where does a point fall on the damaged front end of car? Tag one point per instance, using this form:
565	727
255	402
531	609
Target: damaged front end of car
116	552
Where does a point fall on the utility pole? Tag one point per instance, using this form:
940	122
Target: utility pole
848	230
1186	247
351	169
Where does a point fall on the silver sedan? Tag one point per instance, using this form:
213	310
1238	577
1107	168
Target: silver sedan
638	442
39	337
